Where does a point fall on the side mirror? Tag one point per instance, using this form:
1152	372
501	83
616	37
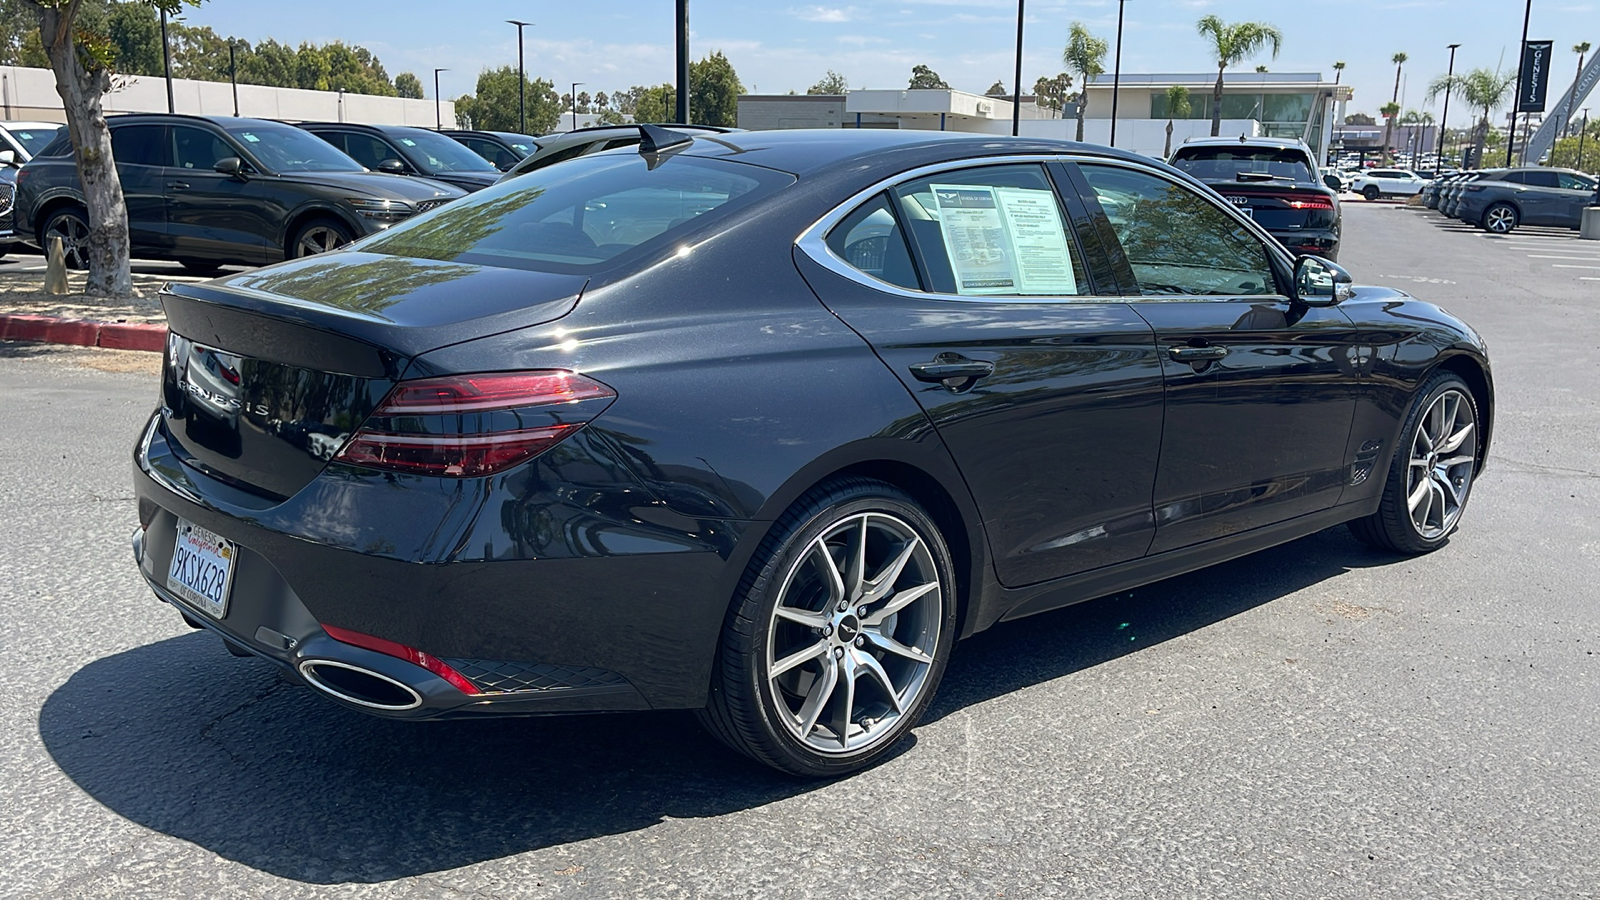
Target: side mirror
392	166
1332	182
1319	282
230	165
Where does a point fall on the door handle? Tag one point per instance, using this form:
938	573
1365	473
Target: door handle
177	185
951	367
1196	354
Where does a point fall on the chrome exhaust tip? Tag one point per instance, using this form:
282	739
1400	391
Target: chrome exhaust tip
362	687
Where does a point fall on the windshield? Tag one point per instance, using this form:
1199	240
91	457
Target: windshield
1227	163
436	153
35	139
283	148
582	215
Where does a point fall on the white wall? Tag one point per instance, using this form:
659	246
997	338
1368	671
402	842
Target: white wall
30	94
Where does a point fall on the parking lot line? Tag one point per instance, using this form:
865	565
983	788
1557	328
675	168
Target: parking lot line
1548	256
1560	266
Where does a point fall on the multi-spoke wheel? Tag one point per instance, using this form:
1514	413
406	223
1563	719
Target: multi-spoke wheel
838	639
69	224
1432	472
1500	218
318	236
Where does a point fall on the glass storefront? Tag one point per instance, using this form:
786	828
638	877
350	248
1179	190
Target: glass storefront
1280	115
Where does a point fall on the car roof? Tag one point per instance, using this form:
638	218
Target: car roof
220	121
478	132
364	126
10	125
1245	141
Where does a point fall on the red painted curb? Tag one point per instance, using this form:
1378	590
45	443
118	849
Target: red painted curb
83	333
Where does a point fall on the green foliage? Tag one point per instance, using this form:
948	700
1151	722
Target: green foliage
1231	44
655	104
830	83
714	90
135	33
998	89
408	85
493	107
1085	53
1178	105
1565	152
1051	93
612	117
924	78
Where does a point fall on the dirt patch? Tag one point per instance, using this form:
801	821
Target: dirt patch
23	293
120	362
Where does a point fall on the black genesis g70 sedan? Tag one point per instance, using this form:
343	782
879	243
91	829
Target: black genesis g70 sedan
760	424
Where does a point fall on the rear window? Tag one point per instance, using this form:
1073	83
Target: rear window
1227	163
581	216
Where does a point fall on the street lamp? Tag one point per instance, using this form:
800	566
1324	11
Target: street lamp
233	76
1444	117
1116	74
1583	131
1016	85
683	62
1527	15
574	95
522	79
166	60
438	117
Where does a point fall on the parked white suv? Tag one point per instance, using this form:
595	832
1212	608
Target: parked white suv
1375	183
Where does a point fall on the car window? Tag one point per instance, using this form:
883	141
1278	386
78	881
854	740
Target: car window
498	156
992	231
1227	163
869	239
370	151
140	145
437	153
580	217
1514	178
284	148
1541	179
196	148
35	139
1177	241
1575	182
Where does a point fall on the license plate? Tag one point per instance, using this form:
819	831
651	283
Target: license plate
202	568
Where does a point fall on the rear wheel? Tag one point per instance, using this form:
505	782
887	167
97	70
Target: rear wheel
1501	218
839	634
1371	192
71	225
1430	477
319	236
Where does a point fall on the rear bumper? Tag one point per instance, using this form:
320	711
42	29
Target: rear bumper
1301	241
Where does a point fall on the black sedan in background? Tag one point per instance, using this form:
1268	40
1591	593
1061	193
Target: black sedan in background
210	191
402	150
760	425
502	149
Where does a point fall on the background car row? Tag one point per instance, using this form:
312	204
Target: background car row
1499	200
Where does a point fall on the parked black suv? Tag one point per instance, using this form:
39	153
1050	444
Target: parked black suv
402	150
209	191
501	148
1275	182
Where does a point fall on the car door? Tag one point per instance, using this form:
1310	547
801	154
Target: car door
216	217
974	288
1260	391
1541	200
1577	194
142	153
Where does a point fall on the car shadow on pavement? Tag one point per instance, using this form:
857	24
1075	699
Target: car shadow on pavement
182	738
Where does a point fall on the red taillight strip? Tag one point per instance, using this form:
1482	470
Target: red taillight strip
495	390
401	651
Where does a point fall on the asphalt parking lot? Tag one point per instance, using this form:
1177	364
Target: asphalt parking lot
1316	720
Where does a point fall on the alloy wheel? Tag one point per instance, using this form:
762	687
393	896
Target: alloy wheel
319	239
1442	461
74	234
852	638
1500	220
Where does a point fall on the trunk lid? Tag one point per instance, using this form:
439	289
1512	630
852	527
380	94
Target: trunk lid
1283	207
269	372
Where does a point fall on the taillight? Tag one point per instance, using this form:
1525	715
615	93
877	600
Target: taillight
400	651
1301	201
463	426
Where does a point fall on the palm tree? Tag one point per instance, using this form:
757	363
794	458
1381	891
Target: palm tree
1485	91
1178	107
1338	71
1582	49
1399	60
1086	55
1230	45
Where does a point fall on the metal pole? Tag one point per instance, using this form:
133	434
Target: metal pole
1527	14
522	80
166	58
1444	117
575	103
438	117
1583	132
233	76
1016	86
1116	74
683	62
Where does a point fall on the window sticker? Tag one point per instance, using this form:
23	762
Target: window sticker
1004	240
408	142
250	137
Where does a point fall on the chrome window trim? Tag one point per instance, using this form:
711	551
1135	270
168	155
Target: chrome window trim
813	241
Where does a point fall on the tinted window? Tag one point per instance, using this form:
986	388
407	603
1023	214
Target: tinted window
1177	241
140	145
579	217
284	148
1515	178
1227	163
437	153
195	148
35	139
1575	182
869	239
368	150
992	231
498	156
1541	179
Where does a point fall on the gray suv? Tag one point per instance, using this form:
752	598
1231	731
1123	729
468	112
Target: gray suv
1527	196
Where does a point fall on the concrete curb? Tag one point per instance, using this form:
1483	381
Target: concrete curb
83	332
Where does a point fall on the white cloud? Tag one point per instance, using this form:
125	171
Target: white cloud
824	13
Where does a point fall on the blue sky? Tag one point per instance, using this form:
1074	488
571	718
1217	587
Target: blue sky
776	47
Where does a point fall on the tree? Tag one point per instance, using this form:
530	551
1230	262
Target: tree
1086	55
714	90
1399	60
1230	45
81	60
611	117
1051	93
1360	119
998	89
1483	90
1580	150
1178	107
409	86
135	33
1261	68
493	106
1338	71
926	79
656	104
830	83
602	100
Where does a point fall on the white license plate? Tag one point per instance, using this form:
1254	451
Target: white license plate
202	568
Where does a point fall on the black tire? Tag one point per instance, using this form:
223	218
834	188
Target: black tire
1371	192
200	267
1393	527
311	232
1500	218
745	703
71	224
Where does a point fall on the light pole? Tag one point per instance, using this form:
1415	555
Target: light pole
1016	86
522	79
575	86
1116	74
1583	132
233	76
438	117
683	62
1527	14
1444	117
166	60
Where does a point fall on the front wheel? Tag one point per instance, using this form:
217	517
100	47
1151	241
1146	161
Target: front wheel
1431	475
839	634
319	236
